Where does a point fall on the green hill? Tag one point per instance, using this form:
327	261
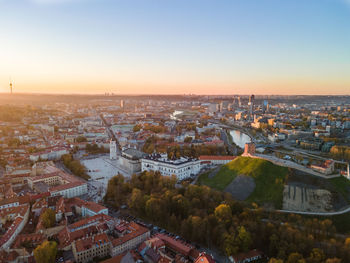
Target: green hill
268	177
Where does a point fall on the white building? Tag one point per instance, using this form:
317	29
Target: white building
51	154
215	160
113	150
69	190
130	160
182	168
20	220
9	202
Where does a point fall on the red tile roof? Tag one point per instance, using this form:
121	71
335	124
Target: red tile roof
204	258
135	231
216	157
251	254
89	242
176	245
11	230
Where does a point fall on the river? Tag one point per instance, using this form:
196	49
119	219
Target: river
239	138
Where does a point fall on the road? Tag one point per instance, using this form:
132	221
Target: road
111	133
311	154
231	148
291	164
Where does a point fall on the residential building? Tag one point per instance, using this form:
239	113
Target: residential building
88	248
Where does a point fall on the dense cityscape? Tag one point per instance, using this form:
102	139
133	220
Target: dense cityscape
174	131
174	178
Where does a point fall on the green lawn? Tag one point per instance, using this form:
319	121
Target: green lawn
342	185
341	222
269	179
223	178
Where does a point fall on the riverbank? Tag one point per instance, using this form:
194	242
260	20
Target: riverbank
239	138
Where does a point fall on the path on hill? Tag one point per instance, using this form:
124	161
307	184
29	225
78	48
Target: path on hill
291	164
334	213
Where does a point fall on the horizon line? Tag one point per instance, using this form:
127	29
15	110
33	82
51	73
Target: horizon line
160	94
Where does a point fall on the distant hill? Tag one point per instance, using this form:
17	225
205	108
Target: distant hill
267	185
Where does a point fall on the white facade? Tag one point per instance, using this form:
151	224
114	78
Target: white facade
70	192
215	160
8	205
183	168
113	150
13	231
55	154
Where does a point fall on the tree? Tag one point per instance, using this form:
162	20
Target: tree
81	139
295	258
154	209
347	242
230	245
137	128
136	200
49	218
214	219
75	166
188	139
316	256
223	213
244	239
333	260
46	252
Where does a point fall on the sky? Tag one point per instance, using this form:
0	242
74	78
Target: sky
175	46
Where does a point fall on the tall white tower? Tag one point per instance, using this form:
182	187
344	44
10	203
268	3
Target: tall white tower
113	150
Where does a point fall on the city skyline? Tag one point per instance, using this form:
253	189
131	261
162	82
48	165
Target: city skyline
175	47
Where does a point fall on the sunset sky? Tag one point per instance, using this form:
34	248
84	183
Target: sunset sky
175	46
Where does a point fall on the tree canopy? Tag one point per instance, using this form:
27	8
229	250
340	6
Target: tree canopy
213	218
46	252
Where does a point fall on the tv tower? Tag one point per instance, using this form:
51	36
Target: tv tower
11	86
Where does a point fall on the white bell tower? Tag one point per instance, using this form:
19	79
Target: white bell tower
113	150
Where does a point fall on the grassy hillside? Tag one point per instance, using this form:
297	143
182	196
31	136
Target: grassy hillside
269	179
342	186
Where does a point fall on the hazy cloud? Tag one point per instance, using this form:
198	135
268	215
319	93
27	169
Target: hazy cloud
53	1
44	2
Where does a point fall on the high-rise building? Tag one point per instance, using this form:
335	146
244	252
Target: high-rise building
265	106
251	106
223	106
11	87
122	104
212	108
113	150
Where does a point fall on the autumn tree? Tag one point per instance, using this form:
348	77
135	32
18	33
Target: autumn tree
244	239
316	256
223	213
295	258
46	252
333	260
49	218
274	260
